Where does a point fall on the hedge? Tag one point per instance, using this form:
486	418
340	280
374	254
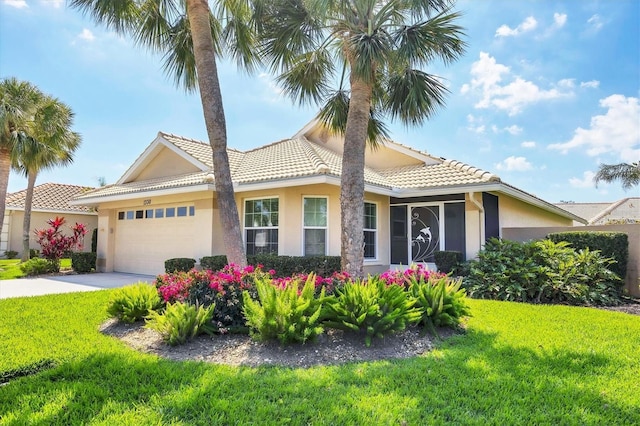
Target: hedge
283	265
447	260
179	264
82	262
611	244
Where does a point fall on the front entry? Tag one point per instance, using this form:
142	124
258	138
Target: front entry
419	230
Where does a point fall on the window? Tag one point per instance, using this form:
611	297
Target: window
315	226
148	214
370	230
159	213
130	215
120	215
139	214
261	226
171	211
182	211
192	211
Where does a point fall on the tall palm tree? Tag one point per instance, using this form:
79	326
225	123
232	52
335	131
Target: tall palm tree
627	174
18	100
49	142
191	37
373	50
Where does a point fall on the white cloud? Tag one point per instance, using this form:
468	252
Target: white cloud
559	19
514	164
585	182
528	24
18	4
54	3
595	22
513	129
593	84
528	144
568	83
487	80
86	35
617	131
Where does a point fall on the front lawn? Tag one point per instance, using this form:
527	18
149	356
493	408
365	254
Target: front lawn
10	268
517	364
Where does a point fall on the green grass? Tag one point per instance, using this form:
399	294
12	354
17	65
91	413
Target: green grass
10	268
518	364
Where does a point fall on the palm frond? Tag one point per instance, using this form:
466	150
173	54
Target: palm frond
627	173
426	8
438	38
333	114
118	15
414	96
367	53
306	79
239	33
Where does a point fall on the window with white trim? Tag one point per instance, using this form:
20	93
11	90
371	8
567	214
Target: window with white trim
370	230
261	226
315	226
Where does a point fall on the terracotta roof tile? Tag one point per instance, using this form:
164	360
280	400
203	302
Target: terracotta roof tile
50	197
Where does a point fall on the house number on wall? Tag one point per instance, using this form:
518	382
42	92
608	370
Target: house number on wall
146	202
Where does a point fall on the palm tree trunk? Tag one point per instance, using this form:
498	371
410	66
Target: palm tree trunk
26	224
5	167
352	181
198	13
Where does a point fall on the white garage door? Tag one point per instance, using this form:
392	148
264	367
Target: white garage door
146	238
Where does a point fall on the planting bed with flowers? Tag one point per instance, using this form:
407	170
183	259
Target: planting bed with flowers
246	316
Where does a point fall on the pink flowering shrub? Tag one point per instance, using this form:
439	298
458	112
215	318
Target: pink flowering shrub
403	278
224	288
54	244
330	283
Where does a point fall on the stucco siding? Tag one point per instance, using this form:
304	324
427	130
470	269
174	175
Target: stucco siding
39	221
515	213
166	163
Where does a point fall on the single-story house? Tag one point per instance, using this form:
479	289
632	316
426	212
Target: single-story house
49	200
288	192
626	210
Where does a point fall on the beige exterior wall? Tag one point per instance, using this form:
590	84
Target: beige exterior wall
632	280
290	232
515	213
39	221
166	163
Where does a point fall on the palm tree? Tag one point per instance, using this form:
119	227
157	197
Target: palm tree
18	100
49	142
190	37
628	174
373	50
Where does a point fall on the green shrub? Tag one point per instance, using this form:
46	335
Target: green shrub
181	322
179	264
34	253
11	254
542	272
213	263
83	262
94	240
134	302
371	307
284	313
611	244
39	266
441	300
447	260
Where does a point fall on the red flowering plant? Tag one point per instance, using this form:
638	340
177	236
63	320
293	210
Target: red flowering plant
55	244
329	283
404	278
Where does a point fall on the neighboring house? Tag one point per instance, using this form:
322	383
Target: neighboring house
288	194
49	200
626	210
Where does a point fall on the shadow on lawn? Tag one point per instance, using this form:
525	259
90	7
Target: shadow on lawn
470	379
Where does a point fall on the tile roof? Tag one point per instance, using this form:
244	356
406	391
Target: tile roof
50	197
299	157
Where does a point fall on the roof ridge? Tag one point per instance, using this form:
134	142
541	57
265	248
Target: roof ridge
187	139
316	160
475	171
608	210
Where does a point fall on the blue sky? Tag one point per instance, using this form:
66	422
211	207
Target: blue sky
545	92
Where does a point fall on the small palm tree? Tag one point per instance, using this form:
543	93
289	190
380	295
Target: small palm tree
191	37
18	101
628	174
49	142
361	61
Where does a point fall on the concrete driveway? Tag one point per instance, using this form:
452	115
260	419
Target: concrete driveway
68	283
